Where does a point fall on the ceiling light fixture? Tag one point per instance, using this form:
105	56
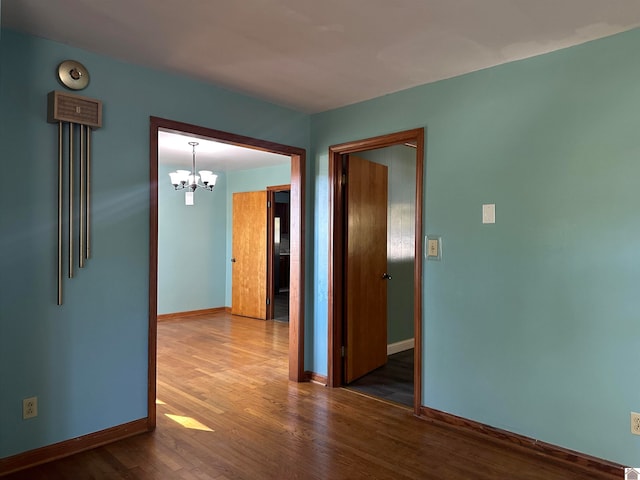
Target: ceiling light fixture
189	181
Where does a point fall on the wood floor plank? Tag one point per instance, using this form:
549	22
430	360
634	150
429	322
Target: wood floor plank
234	415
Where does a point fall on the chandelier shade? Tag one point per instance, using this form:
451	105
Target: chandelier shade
189	181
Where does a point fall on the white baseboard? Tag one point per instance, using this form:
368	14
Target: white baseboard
398	347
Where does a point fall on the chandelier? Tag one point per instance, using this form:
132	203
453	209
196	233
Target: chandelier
189	181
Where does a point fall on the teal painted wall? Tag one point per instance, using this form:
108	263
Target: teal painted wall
249	181
401	211
531	324
87	360
191	247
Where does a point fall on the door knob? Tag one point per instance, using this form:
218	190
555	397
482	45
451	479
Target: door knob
233	260
386	276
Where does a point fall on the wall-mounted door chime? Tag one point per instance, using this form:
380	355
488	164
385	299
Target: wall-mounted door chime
76	117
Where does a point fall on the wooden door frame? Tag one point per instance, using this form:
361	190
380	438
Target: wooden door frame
271	197
296	239
336	292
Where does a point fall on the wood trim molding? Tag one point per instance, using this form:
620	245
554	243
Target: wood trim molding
190	313
381	141
152	337
271	260
70	447
279	188
417	272
271	200
555	452
316	377
297	241
336	236
336	280
297	236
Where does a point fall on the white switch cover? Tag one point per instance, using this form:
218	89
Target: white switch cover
489	213
434	247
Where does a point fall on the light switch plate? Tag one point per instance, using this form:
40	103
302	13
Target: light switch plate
433	247
489	213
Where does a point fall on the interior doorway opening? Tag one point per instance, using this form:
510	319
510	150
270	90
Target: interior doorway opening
297	206
392	379
342	288
279	200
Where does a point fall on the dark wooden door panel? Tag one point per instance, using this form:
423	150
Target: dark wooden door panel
366	264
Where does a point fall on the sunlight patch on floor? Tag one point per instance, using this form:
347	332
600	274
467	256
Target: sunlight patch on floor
189	422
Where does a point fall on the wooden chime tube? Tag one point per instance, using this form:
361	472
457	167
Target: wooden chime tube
60	141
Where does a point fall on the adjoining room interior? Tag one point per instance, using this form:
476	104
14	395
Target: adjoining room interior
394	380
206	246
253	165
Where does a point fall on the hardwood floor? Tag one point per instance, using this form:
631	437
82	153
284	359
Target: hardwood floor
227	411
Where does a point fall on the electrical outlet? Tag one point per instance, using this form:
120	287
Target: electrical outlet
635	423
29	407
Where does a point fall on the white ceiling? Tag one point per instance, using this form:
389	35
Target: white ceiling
174	150
315	55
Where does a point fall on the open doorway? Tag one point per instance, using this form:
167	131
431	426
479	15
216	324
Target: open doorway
393	379
346	290
296	307
279	247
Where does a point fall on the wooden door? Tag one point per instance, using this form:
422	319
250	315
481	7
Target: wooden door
366	265
249	255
